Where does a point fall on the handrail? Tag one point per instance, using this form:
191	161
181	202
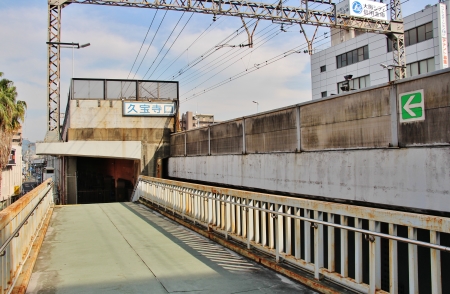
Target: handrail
313	221
296	230
24	222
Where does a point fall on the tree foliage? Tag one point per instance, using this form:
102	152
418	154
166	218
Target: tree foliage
12	113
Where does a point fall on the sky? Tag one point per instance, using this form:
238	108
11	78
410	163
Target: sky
116	35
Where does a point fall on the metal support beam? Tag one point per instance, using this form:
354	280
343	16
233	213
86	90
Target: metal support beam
53	72
309	41
257	10
398	39
249	34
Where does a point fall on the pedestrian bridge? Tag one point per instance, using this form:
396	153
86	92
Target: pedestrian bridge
176	237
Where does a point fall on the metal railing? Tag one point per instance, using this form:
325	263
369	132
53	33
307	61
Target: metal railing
19	227
361	248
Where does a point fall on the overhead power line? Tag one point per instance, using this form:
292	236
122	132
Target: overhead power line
247	71
205	32
230	64
171	45
170	35
146	52
212	64
145	38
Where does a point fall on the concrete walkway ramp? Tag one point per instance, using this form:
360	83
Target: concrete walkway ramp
127	248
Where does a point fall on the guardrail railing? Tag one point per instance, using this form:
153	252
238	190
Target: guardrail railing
19	227
366	249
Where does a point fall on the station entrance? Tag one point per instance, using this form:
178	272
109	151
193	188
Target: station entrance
102	180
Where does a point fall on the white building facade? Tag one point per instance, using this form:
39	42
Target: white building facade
12	173
361	54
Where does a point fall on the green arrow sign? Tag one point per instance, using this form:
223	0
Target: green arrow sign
412	106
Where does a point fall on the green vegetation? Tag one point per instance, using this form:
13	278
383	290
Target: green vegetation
12	113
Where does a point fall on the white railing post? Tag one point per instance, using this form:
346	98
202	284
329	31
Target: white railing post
318	245
436	280
280	229
413	262
307	237
358	252
344	247
331	245
264	224
233	214
288	230
228	213
393	261
239	213
272	226
218	210
297	234
257	224
250	230
247	222
210	209
225	216
276	231
244	218
374	258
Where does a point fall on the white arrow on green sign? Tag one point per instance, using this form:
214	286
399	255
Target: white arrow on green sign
412	106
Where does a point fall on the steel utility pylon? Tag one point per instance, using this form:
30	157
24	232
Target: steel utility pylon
398	39
238	8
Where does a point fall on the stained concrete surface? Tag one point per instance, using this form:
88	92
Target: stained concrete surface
127	248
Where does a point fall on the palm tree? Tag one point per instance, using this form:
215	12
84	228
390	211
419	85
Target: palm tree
12	113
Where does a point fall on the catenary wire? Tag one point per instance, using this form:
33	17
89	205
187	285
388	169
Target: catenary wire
204	33
219	59
150	43
172	45
145	38
170	35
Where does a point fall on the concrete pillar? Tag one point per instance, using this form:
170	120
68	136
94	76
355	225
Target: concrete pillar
71	180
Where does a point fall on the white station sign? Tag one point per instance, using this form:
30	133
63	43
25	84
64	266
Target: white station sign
363	8
137	108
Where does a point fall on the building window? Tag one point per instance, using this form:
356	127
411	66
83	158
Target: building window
324	94
390	45
12	157
416	68
415	35
323	68
354	84
353	56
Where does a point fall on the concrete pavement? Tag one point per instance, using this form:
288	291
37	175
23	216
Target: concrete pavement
127	248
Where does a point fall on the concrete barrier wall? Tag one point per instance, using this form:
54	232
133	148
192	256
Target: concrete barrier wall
414	179
271	132
197	142
368	118
352	121
435	129
227	138
177	144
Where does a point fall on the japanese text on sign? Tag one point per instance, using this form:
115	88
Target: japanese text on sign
148	109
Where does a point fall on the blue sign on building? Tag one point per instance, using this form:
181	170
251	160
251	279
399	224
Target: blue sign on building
357	7
137	108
